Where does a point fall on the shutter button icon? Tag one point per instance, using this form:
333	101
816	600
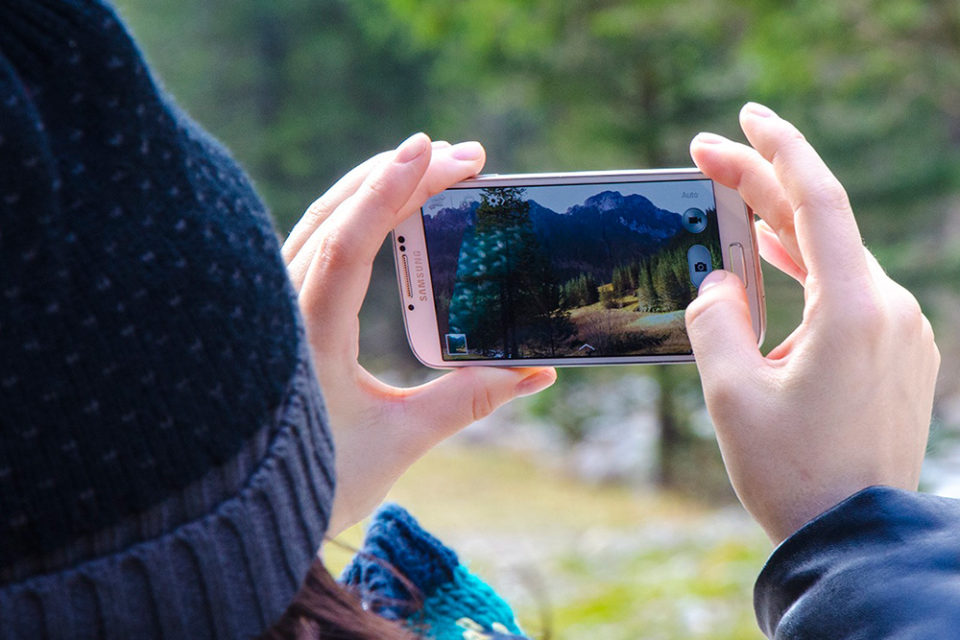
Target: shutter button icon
699	263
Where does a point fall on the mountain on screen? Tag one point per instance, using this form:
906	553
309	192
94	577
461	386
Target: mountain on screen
606	230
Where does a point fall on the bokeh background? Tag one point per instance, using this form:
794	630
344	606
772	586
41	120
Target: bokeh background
599	508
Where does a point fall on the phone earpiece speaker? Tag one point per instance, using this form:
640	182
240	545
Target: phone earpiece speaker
406	276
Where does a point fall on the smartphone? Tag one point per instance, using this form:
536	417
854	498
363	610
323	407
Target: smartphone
567	269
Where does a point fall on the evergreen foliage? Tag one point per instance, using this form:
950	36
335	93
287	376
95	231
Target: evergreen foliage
505	293
625	279
581	291
301	91
647	297
609	298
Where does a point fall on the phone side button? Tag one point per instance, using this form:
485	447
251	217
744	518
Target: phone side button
738	262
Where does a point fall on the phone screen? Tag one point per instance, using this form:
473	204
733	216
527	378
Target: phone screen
569	271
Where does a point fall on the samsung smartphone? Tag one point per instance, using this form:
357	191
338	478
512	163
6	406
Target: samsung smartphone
569	269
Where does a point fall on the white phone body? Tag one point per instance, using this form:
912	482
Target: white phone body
506	254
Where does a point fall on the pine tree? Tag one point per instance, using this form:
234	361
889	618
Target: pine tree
590	288
621	281
505	291
647	297
670	288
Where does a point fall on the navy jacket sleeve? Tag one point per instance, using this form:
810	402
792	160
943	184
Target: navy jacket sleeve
884	564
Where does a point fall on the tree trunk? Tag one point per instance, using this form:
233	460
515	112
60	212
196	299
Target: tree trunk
671	439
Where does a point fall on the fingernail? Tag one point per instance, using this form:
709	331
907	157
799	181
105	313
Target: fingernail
709	138
467	151
412	148
536	382
758	109
714	277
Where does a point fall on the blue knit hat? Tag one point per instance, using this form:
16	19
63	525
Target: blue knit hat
164	454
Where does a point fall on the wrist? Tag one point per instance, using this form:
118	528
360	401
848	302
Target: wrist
786	522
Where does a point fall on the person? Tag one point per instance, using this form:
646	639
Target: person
823	451
166	455
166	458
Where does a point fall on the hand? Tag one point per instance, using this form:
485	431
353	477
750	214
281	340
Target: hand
845	401
380	430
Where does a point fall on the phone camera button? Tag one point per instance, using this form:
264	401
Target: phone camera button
699	263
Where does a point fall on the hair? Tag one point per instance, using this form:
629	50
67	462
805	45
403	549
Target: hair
324	608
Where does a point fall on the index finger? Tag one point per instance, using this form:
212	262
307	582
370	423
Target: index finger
341	259
321	208
826	230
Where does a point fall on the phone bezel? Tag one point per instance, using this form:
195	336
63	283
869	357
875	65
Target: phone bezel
736	227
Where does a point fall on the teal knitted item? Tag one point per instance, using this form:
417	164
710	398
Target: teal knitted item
456	605
466	607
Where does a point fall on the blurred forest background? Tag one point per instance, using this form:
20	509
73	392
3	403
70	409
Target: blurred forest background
603	507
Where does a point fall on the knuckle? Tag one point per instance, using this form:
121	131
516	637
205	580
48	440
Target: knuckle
698	317
928	339
705	312
723	392
826	194
749	175
794	135
833	195
315	211
695	310
786	134
862	315
309	222
906	310
787	141
926	330
483	403
334	250
724	397
381	200
379	187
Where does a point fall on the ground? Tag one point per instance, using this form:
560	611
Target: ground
598	562
634	331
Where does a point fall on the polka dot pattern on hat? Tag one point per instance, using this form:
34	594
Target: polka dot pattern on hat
147	326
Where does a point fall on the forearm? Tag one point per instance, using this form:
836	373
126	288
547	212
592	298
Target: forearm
885	563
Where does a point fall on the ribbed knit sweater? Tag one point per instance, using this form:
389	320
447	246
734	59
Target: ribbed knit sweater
165	467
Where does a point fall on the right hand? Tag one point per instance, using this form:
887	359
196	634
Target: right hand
844	402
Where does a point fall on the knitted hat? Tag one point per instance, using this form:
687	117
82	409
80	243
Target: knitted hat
165	466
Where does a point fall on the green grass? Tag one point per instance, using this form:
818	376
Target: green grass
603	562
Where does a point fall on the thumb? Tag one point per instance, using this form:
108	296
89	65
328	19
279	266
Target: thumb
456	399
720	330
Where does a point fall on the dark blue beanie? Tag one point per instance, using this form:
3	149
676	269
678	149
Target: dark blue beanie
165	468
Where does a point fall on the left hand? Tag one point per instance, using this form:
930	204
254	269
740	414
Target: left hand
380	430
